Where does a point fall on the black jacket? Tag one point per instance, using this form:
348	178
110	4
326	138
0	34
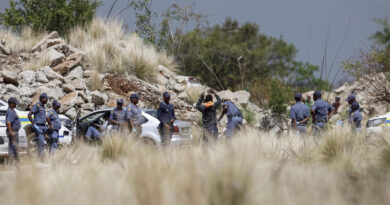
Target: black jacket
209	117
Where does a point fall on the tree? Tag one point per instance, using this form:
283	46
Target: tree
50	15
383	36
279	98
233	56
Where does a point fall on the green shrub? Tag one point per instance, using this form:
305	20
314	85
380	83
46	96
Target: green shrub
279	98
51	15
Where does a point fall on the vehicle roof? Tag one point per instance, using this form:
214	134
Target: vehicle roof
387	115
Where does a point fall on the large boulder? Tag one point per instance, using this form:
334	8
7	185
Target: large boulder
71	113
10	77
68	88
53	92
88	106
44	43
55	57
26	90
99	98
69	63
41	77
50	74
5	50
242	97
68	101
76	73
26	77
79	84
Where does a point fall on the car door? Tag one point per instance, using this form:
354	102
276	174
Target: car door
85	122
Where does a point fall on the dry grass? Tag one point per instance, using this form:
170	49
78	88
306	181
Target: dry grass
36	63
193	94
22	42
95	82
109	49
255	168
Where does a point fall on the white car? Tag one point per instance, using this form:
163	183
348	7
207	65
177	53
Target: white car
378	125
65	135
150	133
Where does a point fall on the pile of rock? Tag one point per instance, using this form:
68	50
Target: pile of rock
66	80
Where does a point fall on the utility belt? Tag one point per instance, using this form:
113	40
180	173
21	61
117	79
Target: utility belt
235	115
41	124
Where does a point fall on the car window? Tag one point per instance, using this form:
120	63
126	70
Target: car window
93	117
1	104
3	112
152	113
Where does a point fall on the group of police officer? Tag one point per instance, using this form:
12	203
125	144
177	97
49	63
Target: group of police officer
321	112
49	123
131	118
208	108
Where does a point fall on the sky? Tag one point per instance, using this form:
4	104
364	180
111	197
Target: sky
305	23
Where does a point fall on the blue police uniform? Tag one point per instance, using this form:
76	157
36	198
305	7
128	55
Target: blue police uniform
40	125
234	118
119	116
13	141
56	123
165	113
299	112
321	110
135	114
357	120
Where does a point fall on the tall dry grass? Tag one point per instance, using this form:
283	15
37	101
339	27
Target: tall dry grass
22	42
110	49
255	168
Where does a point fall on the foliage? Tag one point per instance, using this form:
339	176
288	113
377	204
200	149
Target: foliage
375	60
383	37
303	78
248	114
50	15
164	35
233	56
279	98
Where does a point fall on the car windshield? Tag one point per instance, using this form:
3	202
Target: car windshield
152	112
93	117
375	122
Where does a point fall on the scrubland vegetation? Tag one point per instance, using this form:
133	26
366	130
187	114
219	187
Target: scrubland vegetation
255	168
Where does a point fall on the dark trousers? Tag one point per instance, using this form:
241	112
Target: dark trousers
210	132
166	133
13	146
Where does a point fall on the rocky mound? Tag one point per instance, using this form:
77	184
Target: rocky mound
67	80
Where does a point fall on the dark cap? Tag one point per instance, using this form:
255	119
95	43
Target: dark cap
298	96
56	103
355	105
317	94
12	100
350	97
43	95
120	101
134	95
166	94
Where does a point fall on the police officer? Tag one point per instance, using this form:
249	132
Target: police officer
299	114
321	112
95	131
55	124
118	117
209	118
135	115
12	131
39	122
234	117
350	99
356	117
166	116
